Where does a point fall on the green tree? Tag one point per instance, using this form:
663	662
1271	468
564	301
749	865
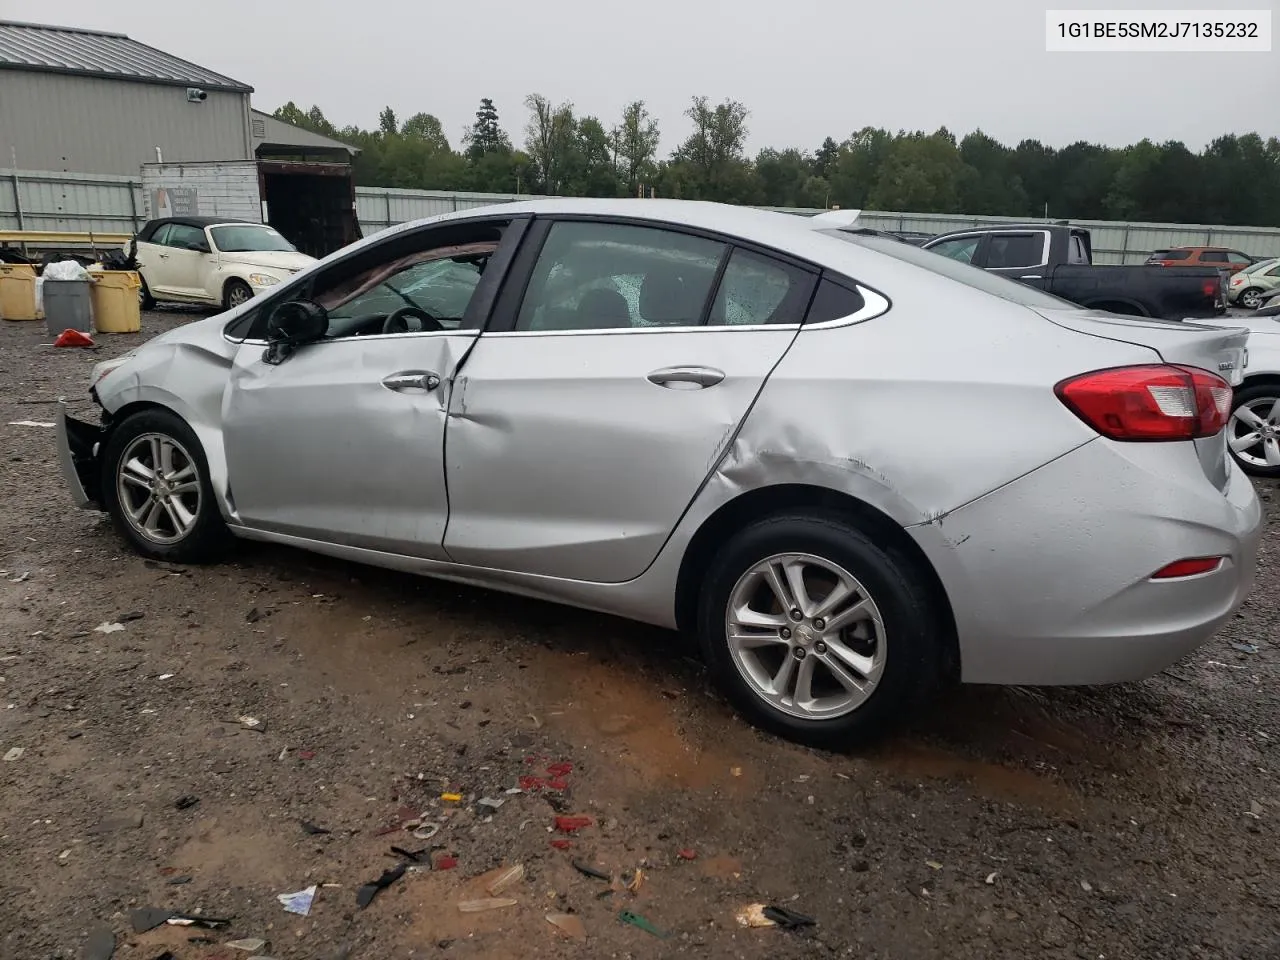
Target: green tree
636	145
549	136
387	121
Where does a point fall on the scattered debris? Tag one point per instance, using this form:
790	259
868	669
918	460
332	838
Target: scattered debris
131	616
636	920
310	828
480	906
589	871
248	946
73	338
413	856
426	831
31	423
636	881
451	797
562	844
502	878
789	919
298	902
148	918
251	723
21	578
1255	809
570	924
254	615
108	628
490	802
933	864
129	821
572	824
688	853
183	803
306	754
178	881
991	877
165	676
100	945
15	753
1245	647
735	771
753	915
1086	886
444	861
365	895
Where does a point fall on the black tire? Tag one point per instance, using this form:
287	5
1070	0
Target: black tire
145	300
207	539
1263	395
234	293
914	651
1250	298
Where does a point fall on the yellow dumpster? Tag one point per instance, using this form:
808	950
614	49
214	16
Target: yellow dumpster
114	295
17	291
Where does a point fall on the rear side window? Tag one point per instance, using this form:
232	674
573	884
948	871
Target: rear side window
757	290
1171	255
159	234
1009	250
1213	256
182	236
1235	256
1077	253
833	301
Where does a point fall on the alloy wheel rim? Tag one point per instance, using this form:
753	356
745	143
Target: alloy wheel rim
159	488
806	636
238	296
1250	299
1254	432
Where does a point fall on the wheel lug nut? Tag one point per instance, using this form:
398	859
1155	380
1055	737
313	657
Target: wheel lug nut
797	616
819	624
799	653
820	647
786	633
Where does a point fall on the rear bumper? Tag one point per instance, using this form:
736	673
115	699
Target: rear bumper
1050	576
79	444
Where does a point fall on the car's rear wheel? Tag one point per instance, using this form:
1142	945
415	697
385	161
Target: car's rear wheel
156	489
1250	298
1253	432
815	632
235	293
145	300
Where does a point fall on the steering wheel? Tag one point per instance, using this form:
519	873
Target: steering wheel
410	320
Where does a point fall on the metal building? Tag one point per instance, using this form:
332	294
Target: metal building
85	101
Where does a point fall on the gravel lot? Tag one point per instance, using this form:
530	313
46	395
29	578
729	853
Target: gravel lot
1125	822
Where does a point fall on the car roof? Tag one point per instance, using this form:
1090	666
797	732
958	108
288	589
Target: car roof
199	222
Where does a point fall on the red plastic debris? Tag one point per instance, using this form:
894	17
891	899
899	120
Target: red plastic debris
687	854
528	782
445	863
73	338
306	754
562	844
557	784
560	769
572	824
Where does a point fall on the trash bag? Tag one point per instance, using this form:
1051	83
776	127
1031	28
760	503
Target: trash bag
121	260
65	270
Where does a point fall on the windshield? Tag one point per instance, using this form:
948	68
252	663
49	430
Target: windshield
975	277
250	238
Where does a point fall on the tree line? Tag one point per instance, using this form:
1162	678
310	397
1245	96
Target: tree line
1233	180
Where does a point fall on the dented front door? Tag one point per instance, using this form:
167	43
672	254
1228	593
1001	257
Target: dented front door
344	441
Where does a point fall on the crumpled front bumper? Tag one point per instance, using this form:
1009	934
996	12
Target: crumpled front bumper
79	447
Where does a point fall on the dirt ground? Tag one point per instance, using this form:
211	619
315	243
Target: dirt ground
1101	824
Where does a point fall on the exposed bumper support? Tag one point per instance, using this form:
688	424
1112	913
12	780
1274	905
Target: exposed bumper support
78	450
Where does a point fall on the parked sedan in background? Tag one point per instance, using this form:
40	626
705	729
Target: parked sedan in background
1254	283
852	468
1224	258
211	260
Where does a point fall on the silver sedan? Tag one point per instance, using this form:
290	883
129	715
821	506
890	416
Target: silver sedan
852	469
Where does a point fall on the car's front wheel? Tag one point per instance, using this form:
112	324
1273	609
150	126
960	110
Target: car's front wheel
816	632
235	293
156	489
1253	432
145	300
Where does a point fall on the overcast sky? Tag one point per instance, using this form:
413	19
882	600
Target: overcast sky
805	69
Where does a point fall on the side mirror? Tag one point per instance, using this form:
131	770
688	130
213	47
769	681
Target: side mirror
292	324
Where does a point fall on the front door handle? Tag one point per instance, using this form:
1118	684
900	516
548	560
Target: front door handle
411	380
686	378
1031	276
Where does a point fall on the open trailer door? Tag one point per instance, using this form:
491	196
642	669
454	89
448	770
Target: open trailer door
312	204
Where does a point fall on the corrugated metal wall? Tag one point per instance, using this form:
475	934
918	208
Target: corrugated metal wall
114	126
61	201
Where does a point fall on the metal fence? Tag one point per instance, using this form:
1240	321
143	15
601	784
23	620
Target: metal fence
85	204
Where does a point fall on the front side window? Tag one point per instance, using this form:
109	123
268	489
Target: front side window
958	248
248	238
1170	255
159	235
600	276
1012	250
184	237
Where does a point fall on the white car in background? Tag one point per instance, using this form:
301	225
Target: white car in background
211	260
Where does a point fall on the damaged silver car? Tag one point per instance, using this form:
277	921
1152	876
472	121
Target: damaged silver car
854	470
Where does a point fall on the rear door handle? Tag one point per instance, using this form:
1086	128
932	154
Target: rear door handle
411	380
686	378
1031	276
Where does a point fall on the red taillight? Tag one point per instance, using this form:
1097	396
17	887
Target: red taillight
1157	402
1212	289
1188	568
